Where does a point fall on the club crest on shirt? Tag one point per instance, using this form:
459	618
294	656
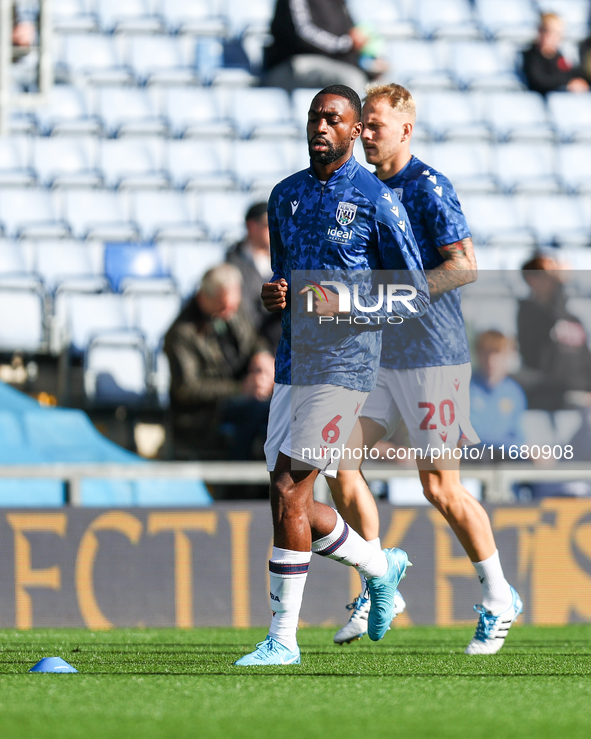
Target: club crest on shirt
346	213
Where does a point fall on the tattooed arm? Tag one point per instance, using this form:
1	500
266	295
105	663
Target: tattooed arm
459	268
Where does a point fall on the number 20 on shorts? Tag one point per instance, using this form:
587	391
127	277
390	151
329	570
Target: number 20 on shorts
447	414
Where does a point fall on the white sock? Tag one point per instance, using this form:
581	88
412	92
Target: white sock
288	571
345	545
496	591
375	543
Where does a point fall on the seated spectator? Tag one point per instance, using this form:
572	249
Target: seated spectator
545	68
221	371
315	44
552	341
497	402
252	257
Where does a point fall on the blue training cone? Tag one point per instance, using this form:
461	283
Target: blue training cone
52	664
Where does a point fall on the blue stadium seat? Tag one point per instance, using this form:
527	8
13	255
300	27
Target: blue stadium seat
300	100
452	115
21	328
522	167
514	20
128	110
261	164
94	57
558	220
496	220
189	262
261	113
160	379
133	162
67	161
194	111
153	315
98	214
66	112
161	60
32	212
166	215
387	18
450	19
574	167
68	264
14	162
199	17
570	114
83	316
481	65
418	65
73	15
134	16
516	116
254	16
200	164
468	165
490	313
115	369
223	217
16	258
139	261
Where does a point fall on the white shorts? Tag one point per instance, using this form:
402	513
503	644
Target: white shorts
308	423
433	401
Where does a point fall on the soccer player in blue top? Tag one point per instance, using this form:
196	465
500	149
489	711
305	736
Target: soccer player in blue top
337	217
425	372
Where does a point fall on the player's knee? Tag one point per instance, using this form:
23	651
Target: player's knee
286	495
440	494
344	486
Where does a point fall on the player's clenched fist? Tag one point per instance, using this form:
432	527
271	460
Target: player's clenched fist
274	295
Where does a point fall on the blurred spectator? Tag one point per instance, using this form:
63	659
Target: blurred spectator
221	371
497	402
552	341
315	44
25	55
252	257
545	68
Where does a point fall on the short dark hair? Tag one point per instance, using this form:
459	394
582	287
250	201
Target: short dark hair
256	211
343	91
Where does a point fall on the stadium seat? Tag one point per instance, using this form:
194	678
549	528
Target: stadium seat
66	161
115	369
128	110
496	220
254	16
21	328
73	15
479	65
16	258
94	57
386	18
98	214
418	65
14	162
557	220
538	428
189	262
261	164
485	313
166	215
68	264
31	212
516	116
468	165
195	111
522	167
514	20
160	379
573	167
200	165
153	315
83	316
262	113
566	425
133	163
570	114
452	115
450	19
66	112
199	17
300	100
223	217
138	261
135	16
165	60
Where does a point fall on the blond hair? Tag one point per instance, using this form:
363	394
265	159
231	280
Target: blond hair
399	98
547	19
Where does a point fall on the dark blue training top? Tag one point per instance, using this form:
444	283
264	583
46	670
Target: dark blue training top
439	337
351	223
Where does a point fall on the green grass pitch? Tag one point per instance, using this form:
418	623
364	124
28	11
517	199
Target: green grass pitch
154	683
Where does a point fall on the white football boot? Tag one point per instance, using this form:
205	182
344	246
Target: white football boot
356	626
492	630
